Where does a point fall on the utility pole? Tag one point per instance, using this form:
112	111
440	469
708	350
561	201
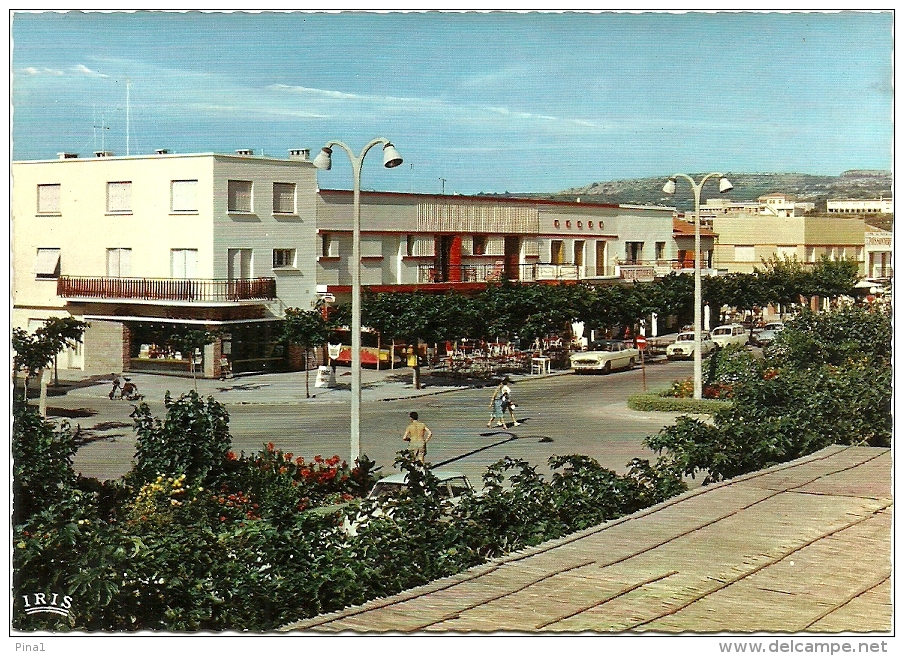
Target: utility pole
443	180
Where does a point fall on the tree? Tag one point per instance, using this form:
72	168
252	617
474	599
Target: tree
34	352
307	329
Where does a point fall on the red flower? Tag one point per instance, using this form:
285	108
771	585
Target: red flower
270	447
231	456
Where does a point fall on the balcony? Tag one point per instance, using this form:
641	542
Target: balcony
190	290
494	272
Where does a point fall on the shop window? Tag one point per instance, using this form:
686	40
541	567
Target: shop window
283	258
239	197
284	198
119	197
184	195
49	198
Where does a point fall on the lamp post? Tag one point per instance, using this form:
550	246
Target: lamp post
669	188
391	159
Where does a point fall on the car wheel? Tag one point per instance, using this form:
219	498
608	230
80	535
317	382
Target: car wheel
631	363
607	367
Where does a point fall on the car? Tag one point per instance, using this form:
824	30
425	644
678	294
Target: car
730	333
683	346
605	355
767	335
452	485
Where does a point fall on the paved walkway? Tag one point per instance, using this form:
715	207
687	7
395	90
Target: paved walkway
801	547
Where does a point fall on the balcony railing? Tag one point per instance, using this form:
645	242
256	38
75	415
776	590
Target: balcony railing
461	273
167	289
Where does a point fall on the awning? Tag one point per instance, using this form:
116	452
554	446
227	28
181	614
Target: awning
48	261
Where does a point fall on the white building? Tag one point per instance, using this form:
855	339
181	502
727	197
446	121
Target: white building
860	206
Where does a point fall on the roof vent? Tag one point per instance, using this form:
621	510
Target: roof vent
244	151
161	151
67	155
300	153
103	153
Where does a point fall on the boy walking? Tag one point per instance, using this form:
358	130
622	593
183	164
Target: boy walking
417	435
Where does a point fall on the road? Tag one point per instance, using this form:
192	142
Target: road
563	415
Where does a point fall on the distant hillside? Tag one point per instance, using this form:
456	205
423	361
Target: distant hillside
747	187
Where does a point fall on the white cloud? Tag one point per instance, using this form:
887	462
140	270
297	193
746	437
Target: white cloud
31	70
81	69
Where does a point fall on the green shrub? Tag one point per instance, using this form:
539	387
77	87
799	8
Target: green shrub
657	403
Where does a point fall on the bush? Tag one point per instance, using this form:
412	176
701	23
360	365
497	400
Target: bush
657	403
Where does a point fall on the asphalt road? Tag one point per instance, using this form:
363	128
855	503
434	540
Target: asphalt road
562	415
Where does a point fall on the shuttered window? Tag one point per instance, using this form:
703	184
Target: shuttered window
119	197
185	195
47	263
48	199
184	262
284	198
119	262
239	196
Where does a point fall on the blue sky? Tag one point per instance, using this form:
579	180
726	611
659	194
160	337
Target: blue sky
526	102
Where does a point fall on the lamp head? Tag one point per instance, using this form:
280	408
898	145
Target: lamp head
391	157
724	185
324	159
669	186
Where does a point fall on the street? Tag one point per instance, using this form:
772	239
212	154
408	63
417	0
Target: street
561	414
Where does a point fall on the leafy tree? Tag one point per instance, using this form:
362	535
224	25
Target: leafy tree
34	352
193	439
308	329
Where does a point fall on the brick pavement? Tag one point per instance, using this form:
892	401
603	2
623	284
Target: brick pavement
801	547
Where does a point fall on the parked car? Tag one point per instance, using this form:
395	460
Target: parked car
605	355
683	346
768	333
452	485
731	333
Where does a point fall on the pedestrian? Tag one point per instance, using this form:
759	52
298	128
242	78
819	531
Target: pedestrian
417	435
496	406
507	404
117	386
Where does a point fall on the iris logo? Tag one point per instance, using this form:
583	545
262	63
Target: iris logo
40	602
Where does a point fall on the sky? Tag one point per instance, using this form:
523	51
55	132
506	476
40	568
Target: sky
474	102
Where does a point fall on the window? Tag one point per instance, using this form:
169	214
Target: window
47	264
239	196
119	262
745	254
185	195
239	263
786	252
184	262
283	257
119	197
557	251
409	245
811	254
48	199
327	245
634	252
480	245
284	198
660	250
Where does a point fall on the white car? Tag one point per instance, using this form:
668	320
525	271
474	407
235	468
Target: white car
731	333
452	485
768	333
683	346
604	356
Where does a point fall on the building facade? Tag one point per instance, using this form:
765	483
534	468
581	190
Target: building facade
860	206
139	245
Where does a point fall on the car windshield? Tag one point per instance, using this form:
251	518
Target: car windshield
722	331
686	337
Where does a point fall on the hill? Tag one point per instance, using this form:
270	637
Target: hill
747	187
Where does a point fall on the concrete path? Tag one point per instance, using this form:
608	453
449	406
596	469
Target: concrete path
801	547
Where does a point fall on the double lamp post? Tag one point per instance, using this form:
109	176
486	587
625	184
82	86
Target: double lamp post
669	188
323	161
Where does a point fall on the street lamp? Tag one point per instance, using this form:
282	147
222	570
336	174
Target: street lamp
391	159
669	188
